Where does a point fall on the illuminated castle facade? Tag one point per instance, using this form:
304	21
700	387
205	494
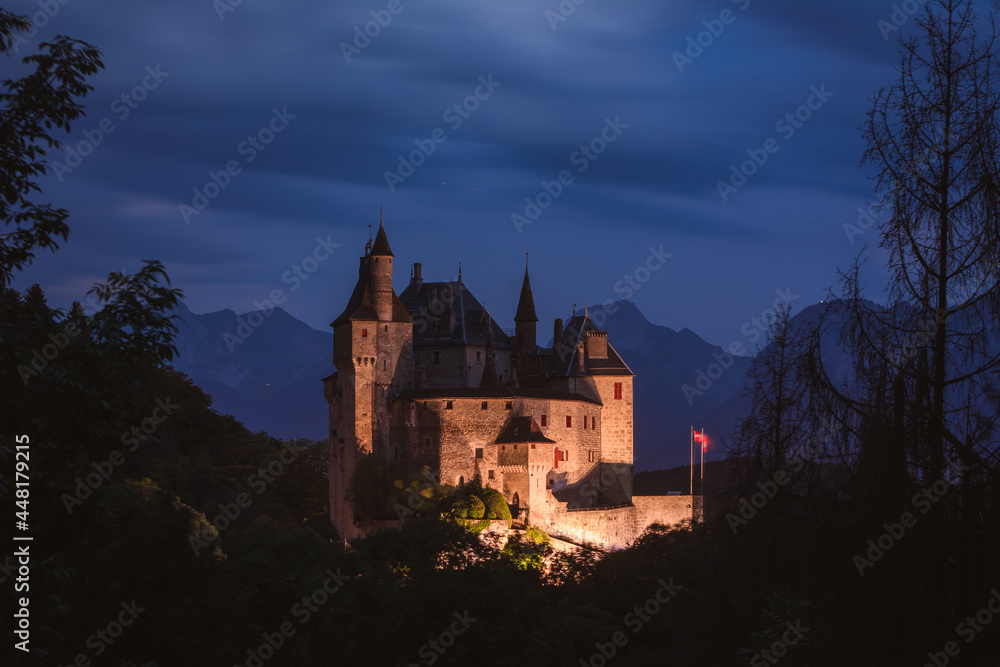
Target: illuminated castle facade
428	378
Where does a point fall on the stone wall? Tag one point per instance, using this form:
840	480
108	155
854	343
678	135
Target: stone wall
666	510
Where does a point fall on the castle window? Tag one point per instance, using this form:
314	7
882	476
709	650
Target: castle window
437	357
532	446
383	364
461	481
515	446
569	421
503	448
545	420
491	475
447	405
593	423
364	333
387	327
485	405
479	452
585	422
479	357
509	405
618	391
590	457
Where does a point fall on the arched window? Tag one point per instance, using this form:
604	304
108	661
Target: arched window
461	481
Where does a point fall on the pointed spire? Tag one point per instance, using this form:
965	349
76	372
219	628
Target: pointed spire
526	304
381	246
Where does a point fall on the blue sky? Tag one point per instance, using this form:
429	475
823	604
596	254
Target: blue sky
309	116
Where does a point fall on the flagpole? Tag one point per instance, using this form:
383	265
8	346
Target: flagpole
692	460
704	444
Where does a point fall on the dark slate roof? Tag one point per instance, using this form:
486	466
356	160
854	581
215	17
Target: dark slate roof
526	304
470	324
521	429
564	362
381	246
496	392
361	305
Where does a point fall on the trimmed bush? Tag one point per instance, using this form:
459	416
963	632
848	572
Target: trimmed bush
496	506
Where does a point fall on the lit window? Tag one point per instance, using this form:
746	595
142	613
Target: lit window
364	333
569	421
618	391
532	446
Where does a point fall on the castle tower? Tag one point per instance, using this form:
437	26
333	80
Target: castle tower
381	255
372	349
525	323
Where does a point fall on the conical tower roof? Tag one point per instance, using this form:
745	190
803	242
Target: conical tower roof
381	247
526	304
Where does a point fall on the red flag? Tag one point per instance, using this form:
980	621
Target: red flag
698	437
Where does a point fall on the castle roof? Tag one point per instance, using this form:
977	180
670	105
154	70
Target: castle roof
526	304
361	305
381	247
566	352
521	429
497	392
471	322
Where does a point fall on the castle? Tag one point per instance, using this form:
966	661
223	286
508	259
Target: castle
428	378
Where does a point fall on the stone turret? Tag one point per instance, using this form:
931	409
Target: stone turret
381	268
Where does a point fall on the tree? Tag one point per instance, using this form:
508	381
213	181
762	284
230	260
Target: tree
30	108
932	139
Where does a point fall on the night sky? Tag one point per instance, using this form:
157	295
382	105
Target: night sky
592	93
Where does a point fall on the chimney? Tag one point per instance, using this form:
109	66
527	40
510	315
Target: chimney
418	279
597	344
557	332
